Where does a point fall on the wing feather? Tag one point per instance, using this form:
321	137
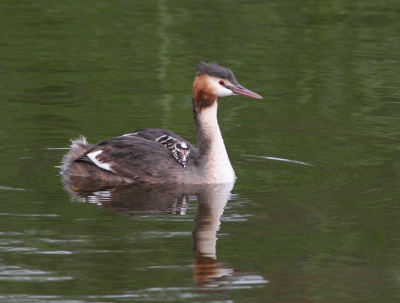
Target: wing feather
138	156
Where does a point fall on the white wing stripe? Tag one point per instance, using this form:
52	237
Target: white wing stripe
92	156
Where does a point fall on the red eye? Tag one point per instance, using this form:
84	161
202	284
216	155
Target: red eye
221	82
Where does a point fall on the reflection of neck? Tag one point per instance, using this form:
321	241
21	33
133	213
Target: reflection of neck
207	225
211	205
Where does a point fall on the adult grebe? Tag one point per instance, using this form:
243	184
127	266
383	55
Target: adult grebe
143	156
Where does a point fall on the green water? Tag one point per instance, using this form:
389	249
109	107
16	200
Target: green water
313	216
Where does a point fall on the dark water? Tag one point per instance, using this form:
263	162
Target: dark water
313	216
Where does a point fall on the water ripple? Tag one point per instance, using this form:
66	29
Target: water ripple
279	159
10	188
17	274
29	215
53	252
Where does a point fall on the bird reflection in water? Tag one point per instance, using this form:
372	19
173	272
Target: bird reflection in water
174	199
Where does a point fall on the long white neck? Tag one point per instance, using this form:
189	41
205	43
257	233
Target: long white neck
213	161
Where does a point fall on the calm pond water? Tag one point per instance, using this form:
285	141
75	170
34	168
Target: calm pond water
313	216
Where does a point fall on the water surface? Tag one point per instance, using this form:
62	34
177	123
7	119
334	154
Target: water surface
313	216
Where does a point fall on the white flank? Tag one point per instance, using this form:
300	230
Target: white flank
92	156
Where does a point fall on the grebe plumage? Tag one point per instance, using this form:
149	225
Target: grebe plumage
145	156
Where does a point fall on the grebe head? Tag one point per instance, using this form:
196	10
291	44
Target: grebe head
181	152
214	81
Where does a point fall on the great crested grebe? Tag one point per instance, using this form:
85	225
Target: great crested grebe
159	155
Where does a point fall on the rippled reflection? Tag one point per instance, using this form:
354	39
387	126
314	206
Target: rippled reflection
174	199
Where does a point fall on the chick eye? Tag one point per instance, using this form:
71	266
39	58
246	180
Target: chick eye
221	82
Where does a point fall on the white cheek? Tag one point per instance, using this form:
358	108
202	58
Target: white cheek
223	92
219	90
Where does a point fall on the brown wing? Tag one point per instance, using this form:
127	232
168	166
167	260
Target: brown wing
137	156
153	134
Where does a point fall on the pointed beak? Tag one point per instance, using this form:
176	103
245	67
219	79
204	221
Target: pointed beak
240	90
